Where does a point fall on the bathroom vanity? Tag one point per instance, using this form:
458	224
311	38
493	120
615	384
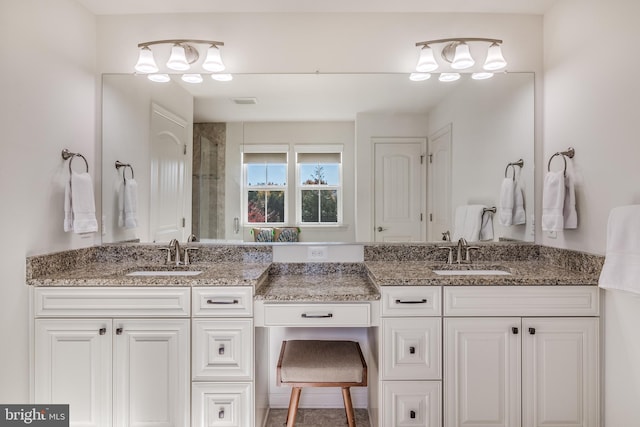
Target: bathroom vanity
518	348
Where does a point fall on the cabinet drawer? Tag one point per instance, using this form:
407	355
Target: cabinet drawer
222	349
411	349
521	301
317	315
222	404
223	301
411	403
410	301
112	302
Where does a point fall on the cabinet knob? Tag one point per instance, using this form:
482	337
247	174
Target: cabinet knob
532	331
102	331
412	350
119	331
221	414
412	414
221	350
514	330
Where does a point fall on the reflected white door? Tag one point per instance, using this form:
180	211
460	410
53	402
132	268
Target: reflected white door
169	173
399	184
440	217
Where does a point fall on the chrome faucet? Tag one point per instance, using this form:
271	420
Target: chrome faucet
174	244
462	244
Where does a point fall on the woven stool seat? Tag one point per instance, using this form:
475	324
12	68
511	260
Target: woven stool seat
315	363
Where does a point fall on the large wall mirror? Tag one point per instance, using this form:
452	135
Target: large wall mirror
367	157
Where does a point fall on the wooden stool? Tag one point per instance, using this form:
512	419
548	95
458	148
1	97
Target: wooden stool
311	363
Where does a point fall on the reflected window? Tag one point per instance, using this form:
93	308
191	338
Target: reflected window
319	188
265	188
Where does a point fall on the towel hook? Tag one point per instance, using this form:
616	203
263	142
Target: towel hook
519	163
119	165
66	155
568	153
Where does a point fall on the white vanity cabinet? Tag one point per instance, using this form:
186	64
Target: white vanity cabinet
530	368
222	357
410	356
117	356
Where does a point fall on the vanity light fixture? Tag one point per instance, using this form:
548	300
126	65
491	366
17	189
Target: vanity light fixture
184	55
418	77
449	77
159	78
456	52
222	77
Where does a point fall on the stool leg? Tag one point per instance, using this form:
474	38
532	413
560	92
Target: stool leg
348	406
293	406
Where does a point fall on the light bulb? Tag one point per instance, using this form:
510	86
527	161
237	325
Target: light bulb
192	78
224	77
146	63
426	61
213	61
178	59
462	58
495	60
449	77
418	77
481	76
159	78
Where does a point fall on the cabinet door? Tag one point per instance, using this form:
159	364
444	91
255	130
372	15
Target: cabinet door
560	372
412	348
411	403
222	349
151	372
222	405
73	366
482	372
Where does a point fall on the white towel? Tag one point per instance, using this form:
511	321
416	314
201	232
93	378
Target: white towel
621	268
519	215
79	204
553	191
486	229
505	205
128	204
468	222
569	212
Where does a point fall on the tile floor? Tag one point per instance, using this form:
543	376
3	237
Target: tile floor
317	417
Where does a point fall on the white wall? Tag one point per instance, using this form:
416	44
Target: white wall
126	105
592	100
48	89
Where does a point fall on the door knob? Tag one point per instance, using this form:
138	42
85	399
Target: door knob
381	229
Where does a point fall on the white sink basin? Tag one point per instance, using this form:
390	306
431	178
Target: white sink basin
165	273
471	272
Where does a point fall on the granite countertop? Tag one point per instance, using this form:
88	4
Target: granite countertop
115	274
523	273
332	287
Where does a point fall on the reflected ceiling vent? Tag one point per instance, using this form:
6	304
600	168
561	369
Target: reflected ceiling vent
245	101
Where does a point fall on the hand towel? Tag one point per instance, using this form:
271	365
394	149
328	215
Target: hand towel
486	229
553	191
505	205
468	222
519	215
621	268
569	212
128	204
79	204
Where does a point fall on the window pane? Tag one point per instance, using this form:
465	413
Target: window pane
319	174
310	206
255	207
276	174
328	206
275	206
256	174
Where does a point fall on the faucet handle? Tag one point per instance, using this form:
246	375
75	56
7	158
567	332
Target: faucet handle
168	249
467	257
187	259
450	256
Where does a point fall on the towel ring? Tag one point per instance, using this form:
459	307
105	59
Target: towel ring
569	153
68	155
119	165
513	165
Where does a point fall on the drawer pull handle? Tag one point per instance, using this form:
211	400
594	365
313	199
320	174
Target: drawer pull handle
412	350
422	301
412	414
316	316
514	330
221	350
210	301
532	331
221	414
119	331
102	331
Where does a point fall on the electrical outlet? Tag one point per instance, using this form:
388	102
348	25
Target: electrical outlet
317	252
552	234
